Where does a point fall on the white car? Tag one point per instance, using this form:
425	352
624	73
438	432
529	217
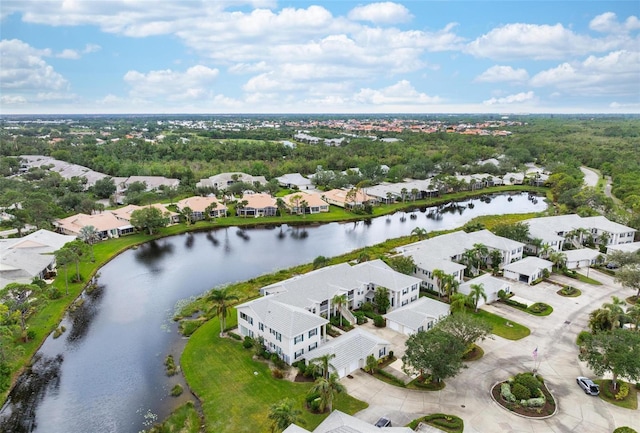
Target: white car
588	386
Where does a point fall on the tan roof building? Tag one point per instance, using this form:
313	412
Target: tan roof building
106	224
258	205
124	213
338	197
199	205
315	203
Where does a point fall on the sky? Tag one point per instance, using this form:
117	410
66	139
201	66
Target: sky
329	56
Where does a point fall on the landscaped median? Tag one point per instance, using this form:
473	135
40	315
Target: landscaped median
236	391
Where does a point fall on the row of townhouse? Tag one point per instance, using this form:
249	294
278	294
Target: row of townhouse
553	231
291	315
445	253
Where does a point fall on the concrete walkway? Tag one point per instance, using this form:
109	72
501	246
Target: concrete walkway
467	395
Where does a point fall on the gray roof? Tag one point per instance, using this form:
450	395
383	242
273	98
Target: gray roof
490	284
324	283
418	313
23	258
294	179
289	320
528	265
549	226
354	345
581	254
630	247
340	422
66	169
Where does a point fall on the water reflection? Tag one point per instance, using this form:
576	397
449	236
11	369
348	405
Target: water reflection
32	386
83	311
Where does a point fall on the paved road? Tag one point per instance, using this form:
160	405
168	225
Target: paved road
590	176
467	395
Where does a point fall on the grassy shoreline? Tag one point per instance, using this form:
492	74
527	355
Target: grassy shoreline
45	321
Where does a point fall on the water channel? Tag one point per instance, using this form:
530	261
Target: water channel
106	372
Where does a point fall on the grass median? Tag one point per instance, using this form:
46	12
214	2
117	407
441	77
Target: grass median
236	391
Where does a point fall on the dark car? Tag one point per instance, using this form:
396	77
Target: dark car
383	422
588	386
612	265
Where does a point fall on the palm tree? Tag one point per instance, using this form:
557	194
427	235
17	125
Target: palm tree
633	314
468	258
477	292
283	414
545	250
496	260
403	192
458	303
187	213
414	193
481	253
323	363
439	275
64	258
558	259
327	388
451	285
616	313
390	198
339	301
221	299
281	205
240	207
209	210
419	233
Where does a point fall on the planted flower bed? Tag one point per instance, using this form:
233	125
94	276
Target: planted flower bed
525	394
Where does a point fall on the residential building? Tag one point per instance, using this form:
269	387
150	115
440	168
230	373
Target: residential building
106	224
124	213
223	180
200	206
527	270
581	258
257	205
294	180
491	286
343	198
340	422
23	259
446	253
314	202
301	303
417	316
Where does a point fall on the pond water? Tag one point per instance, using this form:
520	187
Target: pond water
106	372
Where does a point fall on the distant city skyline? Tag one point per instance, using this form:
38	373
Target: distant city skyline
267	56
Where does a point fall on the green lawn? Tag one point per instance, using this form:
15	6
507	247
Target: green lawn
629	402
499	326
235	399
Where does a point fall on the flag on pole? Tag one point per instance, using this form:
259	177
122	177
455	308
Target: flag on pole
535	353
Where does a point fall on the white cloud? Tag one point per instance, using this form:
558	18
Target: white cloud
518	98
193	84
24	69
12	100
539	42
381	13
497	74
68	54
608	23
91	48
617	73
401	93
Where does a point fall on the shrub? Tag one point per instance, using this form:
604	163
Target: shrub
624	429
536	402
54	293
176	390
505	392
379	321
277	361
234	336
247	343
529	381
313	401
367	306
277	373
521	392
514	303
582	337
538	307
170	364
623	392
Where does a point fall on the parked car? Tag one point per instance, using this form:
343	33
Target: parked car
383	422
588	386
612	265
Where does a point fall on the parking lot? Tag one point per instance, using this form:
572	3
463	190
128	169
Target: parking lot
467	395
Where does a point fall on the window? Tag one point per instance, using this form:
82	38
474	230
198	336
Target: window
246	318
313	346
405	291
278	336
298	354
313	332
405	302
261	326
382	352
298	339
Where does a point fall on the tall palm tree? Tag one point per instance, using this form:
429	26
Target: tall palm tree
221	299
496	260
281	205
327	388
633	314
477	292
323	363
558	259
451	285
187	213
339	301
414	193
64	258
419	232
458	303
616	313
439	275
481	254
283	414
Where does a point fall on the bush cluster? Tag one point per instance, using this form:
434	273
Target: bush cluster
520	391
515	303
277	373
538	307
446	421
176	390
505	392
234	336
623	392
313	402
172	368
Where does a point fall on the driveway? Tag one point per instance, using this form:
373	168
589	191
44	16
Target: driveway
467	395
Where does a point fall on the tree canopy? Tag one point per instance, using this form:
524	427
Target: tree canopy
435	351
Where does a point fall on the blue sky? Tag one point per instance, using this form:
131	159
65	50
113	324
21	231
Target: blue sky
264	56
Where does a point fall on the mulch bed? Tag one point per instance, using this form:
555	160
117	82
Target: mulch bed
302	378
545	410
